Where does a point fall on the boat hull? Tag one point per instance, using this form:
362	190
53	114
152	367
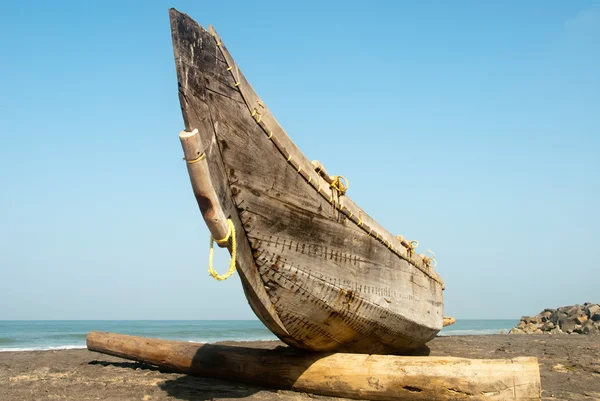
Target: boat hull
320	273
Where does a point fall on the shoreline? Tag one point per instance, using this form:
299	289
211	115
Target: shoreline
454	333
569	368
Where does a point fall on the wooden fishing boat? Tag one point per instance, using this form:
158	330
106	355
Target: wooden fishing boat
316	269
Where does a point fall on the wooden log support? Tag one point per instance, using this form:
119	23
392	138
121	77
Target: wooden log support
359	376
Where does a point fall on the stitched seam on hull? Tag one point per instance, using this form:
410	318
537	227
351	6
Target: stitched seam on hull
324	218
357	259
343	313
296	332
222	94
358	323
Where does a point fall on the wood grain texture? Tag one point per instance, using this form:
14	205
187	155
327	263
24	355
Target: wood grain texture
370	377
330	281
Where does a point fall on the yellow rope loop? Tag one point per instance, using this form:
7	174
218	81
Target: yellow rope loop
340	186
197	159
360	218
211	253
412	245
257	116
260	103
430	261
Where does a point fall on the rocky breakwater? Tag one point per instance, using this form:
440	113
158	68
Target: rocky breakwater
580	319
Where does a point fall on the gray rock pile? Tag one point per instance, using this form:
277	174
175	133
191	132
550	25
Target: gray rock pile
580	319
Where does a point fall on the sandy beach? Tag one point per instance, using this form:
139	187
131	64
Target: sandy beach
569	365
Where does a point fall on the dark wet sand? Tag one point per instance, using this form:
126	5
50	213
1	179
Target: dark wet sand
569	365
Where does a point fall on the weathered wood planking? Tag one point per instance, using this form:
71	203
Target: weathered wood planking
329	283
305	168
274	199
370	377
345	276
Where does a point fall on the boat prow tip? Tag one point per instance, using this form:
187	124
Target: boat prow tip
173	12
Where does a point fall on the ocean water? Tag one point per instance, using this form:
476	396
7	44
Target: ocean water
479	326
21	335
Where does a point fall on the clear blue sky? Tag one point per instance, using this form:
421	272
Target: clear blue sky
473	127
